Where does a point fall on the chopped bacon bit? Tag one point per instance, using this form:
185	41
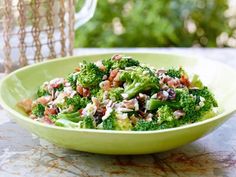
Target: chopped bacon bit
106	85
44	100
117	77
84	92
77	69
102	67
171	82
174	83
113	74
116	57
166	79
50	111
116	84
79	89
55	83
101	111
80	111
185	81
26	105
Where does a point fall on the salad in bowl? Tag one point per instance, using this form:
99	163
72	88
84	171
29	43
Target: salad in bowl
120	93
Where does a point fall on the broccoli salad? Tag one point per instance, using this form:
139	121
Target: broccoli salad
120	93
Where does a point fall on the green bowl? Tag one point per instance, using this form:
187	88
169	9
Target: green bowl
24	82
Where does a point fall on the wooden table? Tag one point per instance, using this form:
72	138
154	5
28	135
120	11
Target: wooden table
24	154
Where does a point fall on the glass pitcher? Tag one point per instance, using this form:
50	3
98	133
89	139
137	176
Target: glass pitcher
35	30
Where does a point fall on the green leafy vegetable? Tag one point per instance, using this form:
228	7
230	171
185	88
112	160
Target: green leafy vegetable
38	110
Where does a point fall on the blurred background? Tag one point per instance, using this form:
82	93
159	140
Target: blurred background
160	23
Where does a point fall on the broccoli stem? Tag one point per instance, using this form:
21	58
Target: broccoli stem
88	123
137	87
133	89
154	104
74	117
66	123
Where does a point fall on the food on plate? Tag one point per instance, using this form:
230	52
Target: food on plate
120	93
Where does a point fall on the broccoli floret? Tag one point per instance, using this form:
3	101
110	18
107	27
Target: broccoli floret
100	94
88	122
169	124
176	72
165	119
124	62
74	117
183	99
84	101
165	113
115	94
110	122
77	102
143	125
120	63
173	73
38	110
108	64
94	91
195	103
187	103
72	79
113	123
42	92
90	75
138	79
206	97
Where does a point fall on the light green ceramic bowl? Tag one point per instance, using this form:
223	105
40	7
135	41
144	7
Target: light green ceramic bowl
23	83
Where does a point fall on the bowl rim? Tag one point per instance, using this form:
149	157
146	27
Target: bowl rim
28	120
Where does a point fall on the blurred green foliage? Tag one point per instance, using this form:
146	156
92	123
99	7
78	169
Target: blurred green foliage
154	23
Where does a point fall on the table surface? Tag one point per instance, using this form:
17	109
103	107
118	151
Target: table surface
24	154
